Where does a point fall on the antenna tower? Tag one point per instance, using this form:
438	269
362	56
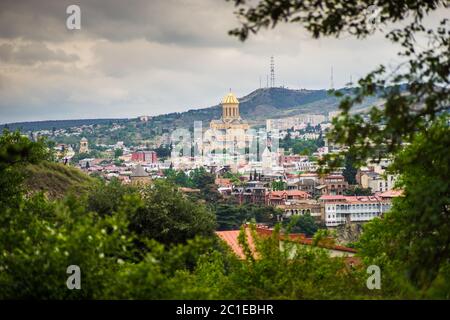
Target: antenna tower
272	72
331	79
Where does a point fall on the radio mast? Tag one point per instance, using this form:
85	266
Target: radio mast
331	79
272	72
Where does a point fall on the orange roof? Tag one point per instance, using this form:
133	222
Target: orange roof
350	199
223	181
334	176
391	193
231	239
332	197
309	175
361	199
301	238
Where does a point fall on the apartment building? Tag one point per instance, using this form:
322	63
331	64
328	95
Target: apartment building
144	156
339	209
333	184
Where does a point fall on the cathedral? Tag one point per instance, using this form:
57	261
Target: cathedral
230	129
231	118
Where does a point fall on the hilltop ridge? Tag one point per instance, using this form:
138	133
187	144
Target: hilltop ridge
260	104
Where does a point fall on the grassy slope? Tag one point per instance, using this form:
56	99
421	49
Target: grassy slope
56	179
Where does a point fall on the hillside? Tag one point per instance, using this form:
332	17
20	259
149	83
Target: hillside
282	102
58	124
255	107
56	179
263	104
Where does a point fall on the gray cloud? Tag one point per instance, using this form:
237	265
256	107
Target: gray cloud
186	22
32	53
149	57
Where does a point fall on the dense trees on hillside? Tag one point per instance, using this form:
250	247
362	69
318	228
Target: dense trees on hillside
164	214
232	216
415	234
305	224
301	146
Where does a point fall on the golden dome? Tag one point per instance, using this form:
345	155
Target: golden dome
230	99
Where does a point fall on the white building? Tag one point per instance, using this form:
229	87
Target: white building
297	121
376	177
339	209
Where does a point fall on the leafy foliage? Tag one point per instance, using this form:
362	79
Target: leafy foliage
350	171
15	151
305	224
232	216
415	234
106	198
300	146
279	185
167	216
325	18
41	239
358	191
198	178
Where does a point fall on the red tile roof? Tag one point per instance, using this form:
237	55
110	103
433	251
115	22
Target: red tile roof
332	197
391	194
351	199
335	176
231	239
223	182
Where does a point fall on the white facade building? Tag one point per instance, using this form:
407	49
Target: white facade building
339	209
297	121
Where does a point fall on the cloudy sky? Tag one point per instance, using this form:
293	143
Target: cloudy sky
147	57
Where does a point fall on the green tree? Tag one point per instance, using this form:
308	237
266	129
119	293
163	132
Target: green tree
167	216
178	177
415	235
118	152
233	216
40	239
358	191
302	224
234	177
204	181
300	146
278	185
169	273
350	171
163	152
15	152
201	178
106	198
